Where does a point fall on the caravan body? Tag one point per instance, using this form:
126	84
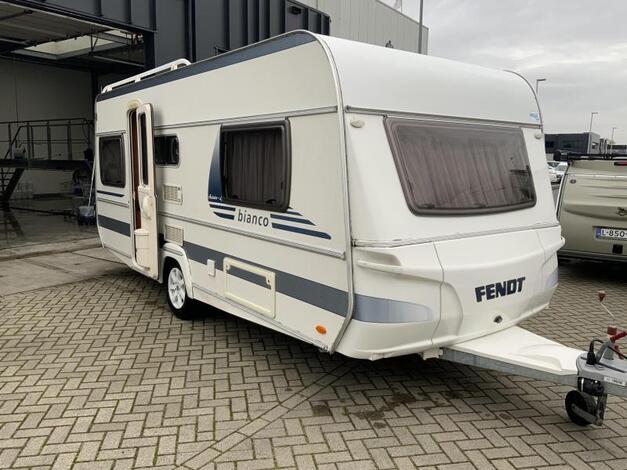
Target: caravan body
367	200
592	208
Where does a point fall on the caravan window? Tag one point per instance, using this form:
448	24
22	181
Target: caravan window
454	168
111	161
166	148
255	162
144	146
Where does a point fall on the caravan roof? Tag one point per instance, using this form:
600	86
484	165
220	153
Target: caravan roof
376	78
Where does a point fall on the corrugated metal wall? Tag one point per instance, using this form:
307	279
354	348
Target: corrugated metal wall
198	29
373	22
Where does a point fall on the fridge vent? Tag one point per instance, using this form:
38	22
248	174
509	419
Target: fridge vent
174	234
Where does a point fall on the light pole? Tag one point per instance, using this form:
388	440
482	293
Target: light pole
612	139
420	31
538	80
590	131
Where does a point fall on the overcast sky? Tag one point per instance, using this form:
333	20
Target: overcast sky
579	46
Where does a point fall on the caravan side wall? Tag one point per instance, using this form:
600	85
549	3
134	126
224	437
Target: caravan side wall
286	270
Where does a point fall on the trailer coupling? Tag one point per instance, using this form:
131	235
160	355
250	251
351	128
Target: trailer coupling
520	352
599	374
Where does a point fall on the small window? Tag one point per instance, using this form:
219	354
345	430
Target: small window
255	162
111	161
144	146
166	148
454	168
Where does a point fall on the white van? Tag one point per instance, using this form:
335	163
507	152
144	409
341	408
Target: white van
370	201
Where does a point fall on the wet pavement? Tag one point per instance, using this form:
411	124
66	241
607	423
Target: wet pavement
34	221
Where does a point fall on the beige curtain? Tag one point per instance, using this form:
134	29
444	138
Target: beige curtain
461	167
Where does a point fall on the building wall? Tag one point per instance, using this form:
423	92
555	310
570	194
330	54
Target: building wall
373	22
573	143
31	91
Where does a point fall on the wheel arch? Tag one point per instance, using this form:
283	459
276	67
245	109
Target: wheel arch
174	253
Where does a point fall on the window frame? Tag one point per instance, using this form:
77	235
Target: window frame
286	146
178	144
120	138
389	124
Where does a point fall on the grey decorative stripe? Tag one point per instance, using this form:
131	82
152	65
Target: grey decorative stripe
109	193
378	310
114	225
367	309
248	276
224	60
553	279
308	291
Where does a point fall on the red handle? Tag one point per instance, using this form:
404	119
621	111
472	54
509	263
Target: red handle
618	336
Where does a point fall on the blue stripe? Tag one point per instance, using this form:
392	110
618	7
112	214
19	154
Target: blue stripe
220	206
302	231
251	277
109	193
308	291
114	225
225	216
292	219
293	212
254	51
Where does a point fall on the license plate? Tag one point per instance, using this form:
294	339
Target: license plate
611	233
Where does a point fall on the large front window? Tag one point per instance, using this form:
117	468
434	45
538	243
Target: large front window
455	168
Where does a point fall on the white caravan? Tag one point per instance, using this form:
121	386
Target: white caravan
369	201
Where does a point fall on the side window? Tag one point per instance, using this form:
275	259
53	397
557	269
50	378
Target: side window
166	148
255	162
111	159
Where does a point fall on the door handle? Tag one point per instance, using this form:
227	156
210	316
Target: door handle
146	207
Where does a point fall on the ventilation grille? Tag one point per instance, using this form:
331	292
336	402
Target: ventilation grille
172	193
174	234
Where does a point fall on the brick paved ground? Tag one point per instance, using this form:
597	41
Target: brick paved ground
97	374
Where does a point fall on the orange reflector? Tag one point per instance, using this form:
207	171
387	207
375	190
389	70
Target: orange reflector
321	329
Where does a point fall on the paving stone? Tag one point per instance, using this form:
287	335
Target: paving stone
98	374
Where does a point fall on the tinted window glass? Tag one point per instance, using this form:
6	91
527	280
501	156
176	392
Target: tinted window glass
144	145
166	149
111	161
255	166
448	168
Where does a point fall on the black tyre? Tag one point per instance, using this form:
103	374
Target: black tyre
180	304
581	401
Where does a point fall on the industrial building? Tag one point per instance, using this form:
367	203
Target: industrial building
56	55
579	143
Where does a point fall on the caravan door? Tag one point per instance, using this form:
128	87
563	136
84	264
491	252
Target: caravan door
146	234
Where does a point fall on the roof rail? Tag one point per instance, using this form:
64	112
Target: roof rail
169	67
562	156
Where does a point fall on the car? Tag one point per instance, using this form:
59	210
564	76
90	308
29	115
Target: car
556	171
592	208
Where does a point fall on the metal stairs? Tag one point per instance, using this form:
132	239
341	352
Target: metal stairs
43	145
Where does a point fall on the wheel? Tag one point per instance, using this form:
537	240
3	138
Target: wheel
178	301
581	401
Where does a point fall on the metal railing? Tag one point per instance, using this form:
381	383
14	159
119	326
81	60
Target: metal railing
59	139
